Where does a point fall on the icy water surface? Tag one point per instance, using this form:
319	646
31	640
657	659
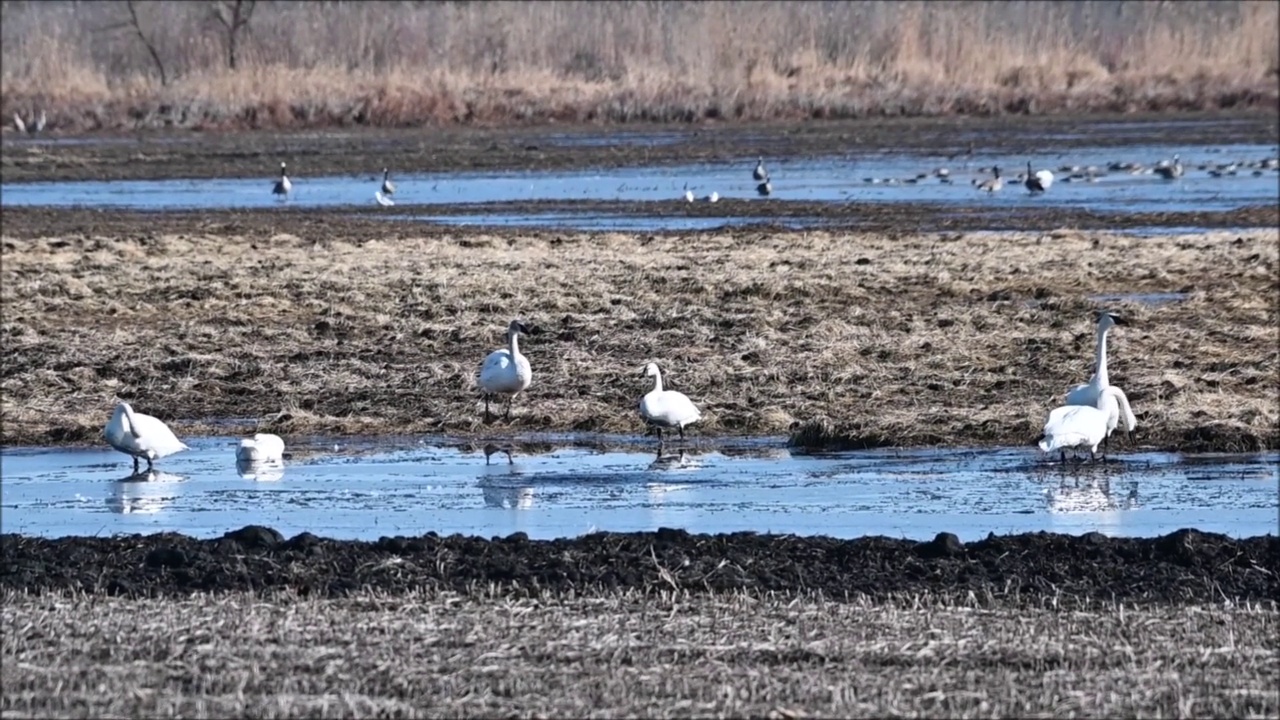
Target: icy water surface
372	488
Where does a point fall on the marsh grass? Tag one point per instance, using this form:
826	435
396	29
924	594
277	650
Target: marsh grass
845	339
629	654
406	64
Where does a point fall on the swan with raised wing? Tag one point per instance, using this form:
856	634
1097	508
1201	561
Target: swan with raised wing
140	436
666	408
505	372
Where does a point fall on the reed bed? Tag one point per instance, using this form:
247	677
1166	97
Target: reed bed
628	654
99	65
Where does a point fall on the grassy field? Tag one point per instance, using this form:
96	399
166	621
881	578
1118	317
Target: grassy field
844	339
99	65
629	655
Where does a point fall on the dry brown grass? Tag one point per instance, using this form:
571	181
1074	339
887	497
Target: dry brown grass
913	340
395	64
629	655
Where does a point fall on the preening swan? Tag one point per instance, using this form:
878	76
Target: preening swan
282	186
1081	426
140	436
505	372
760	174
262	447
388	187
1039	181
666	408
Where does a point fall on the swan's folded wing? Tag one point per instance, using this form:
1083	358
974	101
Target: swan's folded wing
1082	394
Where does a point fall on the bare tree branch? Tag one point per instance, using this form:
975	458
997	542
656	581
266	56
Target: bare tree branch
151	48
240	12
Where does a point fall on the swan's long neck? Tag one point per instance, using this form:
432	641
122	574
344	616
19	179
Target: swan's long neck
657	382
513	345
1124	410
1100	361
128	418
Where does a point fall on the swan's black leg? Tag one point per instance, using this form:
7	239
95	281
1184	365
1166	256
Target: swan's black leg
510	400
150	465
659	431
487	415
681	433
135	464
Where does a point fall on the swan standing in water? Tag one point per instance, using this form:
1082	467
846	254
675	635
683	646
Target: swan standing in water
1087	393
282	186
505	372
666	408
262	447
1081	426
140	436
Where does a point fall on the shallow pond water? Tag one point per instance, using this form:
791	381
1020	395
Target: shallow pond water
375	487
889	177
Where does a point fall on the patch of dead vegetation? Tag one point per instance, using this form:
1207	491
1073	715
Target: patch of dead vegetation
843	338
629	654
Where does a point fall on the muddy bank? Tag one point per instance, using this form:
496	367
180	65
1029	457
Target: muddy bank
167	155
1183	567
937	339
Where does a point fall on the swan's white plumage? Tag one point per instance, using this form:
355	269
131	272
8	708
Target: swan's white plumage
1081	426
282	186
140	436
383	200
262	447
506	372
666	408
1086	394
1038	181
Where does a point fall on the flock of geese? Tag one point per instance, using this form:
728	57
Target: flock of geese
1091	413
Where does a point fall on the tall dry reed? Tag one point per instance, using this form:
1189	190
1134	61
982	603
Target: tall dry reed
409	63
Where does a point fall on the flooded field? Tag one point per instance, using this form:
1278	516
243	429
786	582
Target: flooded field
365	489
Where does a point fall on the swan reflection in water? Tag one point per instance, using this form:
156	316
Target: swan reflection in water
1089	495
680	461
263	470
498	490
146	492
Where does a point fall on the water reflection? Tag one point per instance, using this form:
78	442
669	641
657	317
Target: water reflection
511	497
1091	494
146	492
264	470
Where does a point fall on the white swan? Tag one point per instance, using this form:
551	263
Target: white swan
383	200
1087	393
282	186
505	372
140	436
388	187
713	197
262	447
1039	181
1081	426
760	174
688	194
666	408
18	123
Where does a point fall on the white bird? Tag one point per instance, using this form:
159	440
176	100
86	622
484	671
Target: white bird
383	200
282	186
140	436
1039	181
666	408
713	197
388	187
1081	426
262	447
1087	394
760	174
505	372
1168	170
993	184
38	126
18	123
688	194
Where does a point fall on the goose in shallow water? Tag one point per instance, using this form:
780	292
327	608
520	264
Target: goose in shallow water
666	408
505	372
140	436
760	174
1169	170
282	186
262	447
992	184
388	187
1039	181
764	188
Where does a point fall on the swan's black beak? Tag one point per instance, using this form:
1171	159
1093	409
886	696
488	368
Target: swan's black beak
1119	320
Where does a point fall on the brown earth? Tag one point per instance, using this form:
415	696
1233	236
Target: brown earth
154	155
307	322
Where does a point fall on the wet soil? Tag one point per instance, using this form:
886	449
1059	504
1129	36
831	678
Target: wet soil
155	155
1183	567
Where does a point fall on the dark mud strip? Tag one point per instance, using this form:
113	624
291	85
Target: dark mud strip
155	155
1183	567
357	224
